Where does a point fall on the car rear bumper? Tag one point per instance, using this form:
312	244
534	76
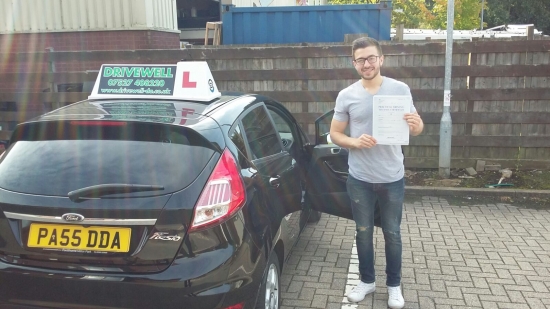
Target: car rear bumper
232	281
40	292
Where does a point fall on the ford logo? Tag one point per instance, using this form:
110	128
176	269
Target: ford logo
72	217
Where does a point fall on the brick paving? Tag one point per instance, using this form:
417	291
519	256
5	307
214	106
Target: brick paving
454	257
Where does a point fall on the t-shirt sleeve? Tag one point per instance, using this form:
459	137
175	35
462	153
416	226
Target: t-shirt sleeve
340	110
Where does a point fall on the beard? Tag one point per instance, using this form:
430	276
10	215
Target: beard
371	75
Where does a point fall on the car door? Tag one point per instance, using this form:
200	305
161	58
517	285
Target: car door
328	172
275	165
292	141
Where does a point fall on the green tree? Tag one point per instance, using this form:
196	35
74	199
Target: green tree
353	1
412	13
433	13
466	14
504	12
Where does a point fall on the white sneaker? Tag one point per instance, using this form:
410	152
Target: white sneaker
360	291
395	299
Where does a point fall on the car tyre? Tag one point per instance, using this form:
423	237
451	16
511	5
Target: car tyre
314	216
270	294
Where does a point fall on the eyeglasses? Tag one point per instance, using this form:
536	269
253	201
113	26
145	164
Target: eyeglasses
369	59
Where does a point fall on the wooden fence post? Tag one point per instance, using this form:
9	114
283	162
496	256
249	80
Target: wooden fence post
349	38
530	32
51	64
399	33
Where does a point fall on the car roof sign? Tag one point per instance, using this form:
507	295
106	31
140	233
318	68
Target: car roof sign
188	80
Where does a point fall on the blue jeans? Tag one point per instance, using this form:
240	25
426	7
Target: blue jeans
390	197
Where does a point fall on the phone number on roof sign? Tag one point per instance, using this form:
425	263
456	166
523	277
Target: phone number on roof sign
138	82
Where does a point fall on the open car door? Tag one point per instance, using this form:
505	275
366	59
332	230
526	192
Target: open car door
328	173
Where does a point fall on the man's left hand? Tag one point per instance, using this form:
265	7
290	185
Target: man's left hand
416	125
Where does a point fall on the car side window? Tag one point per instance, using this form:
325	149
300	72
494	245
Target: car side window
236	137
284	129
260	133
322	128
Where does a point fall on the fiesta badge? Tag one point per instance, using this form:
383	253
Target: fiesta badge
72	217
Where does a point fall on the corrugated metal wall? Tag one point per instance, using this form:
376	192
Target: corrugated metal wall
305	24
263	3
27	16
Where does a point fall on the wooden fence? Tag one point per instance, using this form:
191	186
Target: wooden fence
500	89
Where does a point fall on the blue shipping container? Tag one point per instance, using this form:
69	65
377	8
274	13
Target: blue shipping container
304	24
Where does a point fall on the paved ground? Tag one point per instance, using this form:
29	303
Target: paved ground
454	256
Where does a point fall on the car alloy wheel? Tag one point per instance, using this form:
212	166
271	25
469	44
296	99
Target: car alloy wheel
271	285
272	288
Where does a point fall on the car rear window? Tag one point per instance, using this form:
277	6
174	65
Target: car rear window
55	158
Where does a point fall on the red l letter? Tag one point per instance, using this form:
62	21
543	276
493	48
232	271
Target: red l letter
184	113
186	83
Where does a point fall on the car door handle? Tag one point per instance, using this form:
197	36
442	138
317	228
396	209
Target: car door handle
275	181
341	174
335	150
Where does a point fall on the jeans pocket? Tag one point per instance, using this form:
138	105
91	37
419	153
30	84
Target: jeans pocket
353	189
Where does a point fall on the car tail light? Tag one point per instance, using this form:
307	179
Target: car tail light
222	196
237	306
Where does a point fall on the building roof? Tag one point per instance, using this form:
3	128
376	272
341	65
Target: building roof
503	31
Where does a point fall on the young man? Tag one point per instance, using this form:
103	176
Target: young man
375	171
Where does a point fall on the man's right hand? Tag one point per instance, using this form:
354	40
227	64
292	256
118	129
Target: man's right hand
338	137
364	141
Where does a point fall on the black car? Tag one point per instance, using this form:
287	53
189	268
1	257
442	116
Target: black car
160	192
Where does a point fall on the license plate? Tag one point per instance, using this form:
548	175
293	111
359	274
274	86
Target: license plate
76	237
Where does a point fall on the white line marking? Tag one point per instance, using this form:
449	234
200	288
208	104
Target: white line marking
353	278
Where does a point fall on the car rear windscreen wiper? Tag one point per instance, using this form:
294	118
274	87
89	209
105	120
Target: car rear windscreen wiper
114	188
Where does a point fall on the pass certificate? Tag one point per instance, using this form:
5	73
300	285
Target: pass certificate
389	127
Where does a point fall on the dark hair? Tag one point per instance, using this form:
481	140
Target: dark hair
365	42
